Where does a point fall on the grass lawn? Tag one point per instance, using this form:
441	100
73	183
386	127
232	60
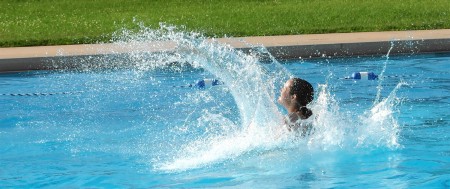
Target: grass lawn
55	22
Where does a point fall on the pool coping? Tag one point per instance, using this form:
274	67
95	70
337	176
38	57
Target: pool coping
281	47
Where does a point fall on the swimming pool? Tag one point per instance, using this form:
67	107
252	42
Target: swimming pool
141	127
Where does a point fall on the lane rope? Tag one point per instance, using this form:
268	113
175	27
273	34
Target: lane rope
204	83
42	94
373	76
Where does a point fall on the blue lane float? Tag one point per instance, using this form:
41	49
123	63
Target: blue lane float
363	76
208	83
204	83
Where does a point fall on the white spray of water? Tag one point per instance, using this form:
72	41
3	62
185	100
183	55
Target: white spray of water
252	85
381	76
376	127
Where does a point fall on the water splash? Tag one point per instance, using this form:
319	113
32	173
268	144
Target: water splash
379	125
381	76
334	129
252	83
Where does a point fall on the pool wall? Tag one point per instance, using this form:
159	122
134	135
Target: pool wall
281	47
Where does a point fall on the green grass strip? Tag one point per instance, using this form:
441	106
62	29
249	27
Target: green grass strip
57	22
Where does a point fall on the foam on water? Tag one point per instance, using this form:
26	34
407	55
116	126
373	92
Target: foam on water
254	85
257	129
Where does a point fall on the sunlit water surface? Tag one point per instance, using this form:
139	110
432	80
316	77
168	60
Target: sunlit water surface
139	127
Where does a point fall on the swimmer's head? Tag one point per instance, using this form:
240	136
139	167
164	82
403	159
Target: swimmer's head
303	90
295	95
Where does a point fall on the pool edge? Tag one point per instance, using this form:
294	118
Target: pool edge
281	47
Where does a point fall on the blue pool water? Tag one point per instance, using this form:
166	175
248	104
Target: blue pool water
138	128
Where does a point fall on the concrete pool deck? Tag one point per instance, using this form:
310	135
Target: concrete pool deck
282	47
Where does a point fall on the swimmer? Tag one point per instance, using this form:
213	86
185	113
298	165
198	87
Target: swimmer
295	95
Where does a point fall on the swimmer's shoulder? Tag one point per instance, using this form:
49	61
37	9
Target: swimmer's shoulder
302	126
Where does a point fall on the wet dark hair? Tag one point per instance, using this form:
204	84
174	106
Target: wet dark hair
305	94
